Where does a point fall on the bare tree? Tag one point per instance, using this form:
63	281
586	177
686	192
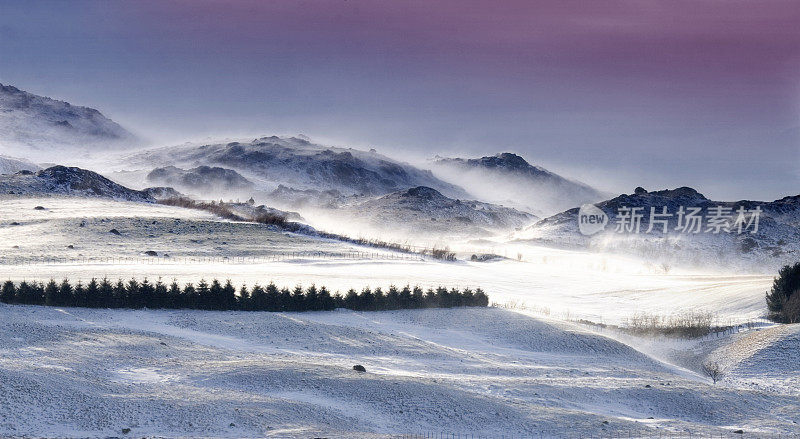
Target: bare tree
713	370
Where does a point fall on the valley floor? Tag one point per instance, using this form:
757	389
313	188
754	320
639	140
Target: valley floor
522	371
485	372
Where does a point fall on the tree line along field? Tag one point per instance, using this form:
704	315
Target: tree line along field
217	296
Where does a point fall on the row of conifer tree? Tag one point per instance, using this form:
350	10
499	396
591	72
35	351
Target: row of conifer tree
224	296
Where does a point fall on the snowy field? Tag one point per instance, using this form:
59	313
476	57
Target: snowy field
524	371
484	372
71	238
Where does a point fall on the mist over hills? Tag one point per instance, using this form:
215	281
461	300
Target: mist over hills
509	179
39	124
423	210
300	164
201	180
775	242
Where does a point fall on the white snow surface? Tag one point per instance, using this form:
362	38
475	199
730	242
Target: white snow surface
521	372
78	372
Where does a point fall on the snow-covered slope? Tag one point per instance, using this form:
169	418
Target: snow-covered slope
45	124
62	180
776	242
475	372
508	179
201	180
299	164
423	210
11	165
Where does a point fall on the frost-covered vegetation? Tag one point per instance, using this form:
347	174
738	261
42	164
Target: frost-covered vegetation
225	297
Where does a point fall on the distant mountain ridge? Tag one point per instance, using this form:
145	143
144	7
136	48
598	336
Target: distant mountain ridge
302	165
508	179
776	241
40	122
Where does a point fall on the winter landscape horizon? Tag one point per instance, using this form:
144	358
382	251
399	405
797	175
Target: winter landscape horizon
354	219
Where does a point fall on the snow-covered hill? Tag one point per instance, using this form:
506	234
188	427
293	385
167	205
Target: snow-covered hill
29	121
508	179
299	164
62	180
775	242
11	165
201	180
466	372
423	210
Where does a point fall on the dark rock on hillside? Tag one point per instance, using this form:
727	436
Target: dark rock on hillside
201	178
162	193
76	180
62	180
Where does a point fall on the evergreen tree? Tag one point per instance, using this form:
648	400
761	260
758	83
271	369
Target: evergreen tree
51	293
105	294
228	296
64	295
286	299
456	299
298	299
273	298
26	294
215	295
783	300
431	299
160	295
258	298
119	295
351	299
93	294
175	296
205	301
79	296
481	299
326	302
190	297
8	293
406	301
367	300
468	297
312	301
379	300
244	299
392	298
418	297
133	298
443	297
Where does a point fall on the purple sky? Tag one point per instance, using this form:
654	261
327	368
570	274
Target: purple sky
617	94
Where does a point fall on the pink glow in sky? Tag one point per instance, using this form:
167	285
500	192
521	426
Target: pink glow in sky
653	93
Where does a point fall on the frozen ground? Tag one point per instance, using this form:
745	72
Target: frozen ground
490	372
558	283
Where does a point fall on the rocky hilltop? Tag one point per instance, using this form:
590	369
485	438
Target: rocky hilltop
508	179
40	123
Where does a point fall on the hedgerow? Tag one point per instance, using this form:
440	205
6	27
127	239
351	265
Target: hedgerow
219	296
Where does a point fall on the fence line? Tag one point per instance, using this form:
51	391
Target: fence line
186	260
